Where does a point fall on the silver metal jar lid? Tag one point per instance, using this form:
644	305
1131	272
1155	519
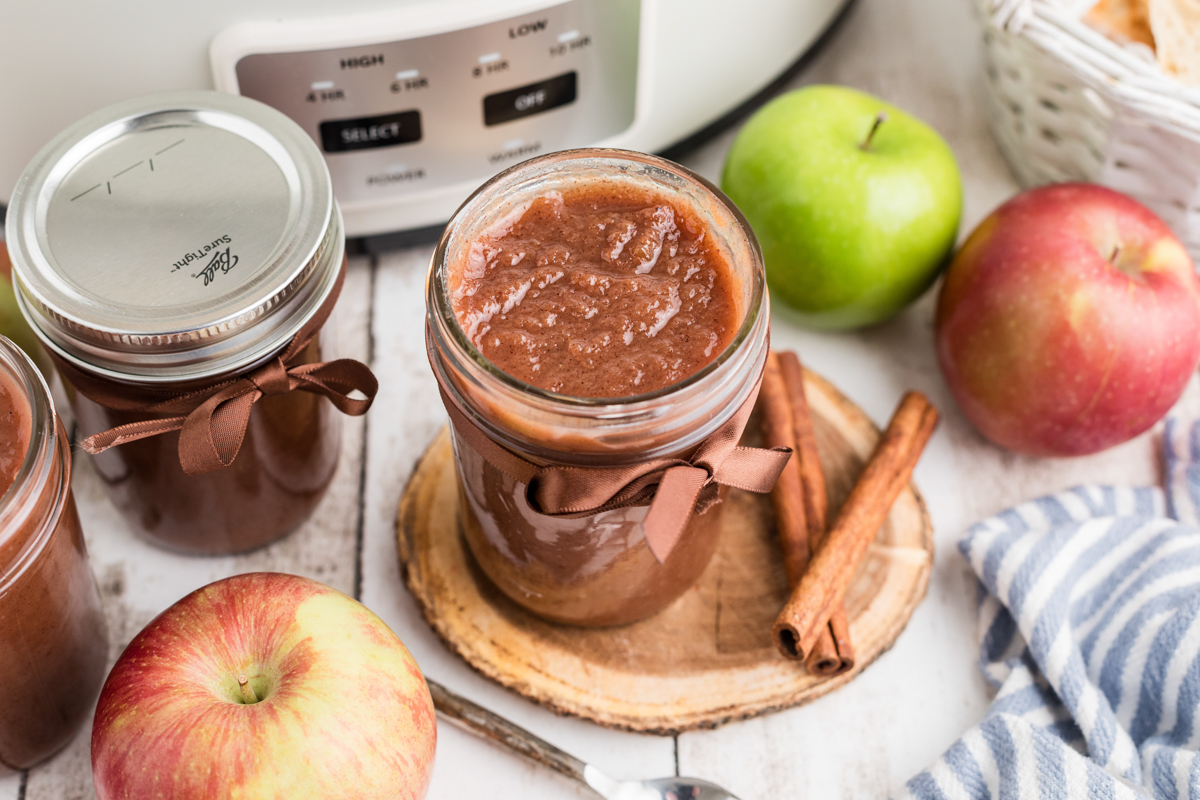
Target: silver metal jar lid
174	237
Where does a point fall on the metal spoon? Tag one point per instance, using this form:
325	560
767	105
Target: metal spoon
499	730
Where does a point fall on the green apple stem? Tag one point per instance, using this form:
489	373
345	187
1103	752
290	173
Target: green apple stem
880	118
248	695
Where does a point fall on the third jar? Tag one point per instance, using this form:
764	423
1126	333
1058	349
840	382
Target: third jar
53	637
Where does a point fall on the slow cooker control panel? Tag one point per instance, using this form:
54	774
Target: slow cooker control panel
411	115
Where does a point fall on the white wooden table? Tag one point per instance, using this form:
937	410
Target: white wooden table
862	741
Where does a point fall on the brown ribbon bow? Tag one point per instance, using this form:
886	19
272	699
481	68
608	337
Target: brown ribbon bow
212	420
675	488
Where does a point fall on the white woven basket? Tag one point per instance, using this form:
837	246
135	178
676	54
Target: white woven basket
1067	103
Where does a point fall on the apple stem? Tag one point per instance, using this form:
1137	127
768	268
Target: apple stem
1116	252
248	695
880	118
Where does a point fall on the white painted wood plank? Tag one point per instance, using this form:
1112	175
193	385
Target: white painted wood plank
138	580
404	420
10	784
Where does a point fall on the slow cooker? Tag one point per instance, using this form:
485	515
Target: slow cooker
414	103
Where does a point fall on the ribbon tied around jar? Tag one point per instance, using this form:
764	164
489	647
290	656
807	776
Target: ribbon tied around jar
212	420
674	488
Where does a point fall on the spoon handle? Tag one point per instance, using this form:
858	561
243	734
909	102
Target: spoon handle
499	730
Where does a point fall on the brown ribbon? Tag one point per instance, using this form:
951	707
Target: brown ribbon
212	420
675	488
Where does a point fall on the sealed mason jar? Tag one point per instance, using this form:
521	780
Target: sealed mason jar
53	637
588	569
179	255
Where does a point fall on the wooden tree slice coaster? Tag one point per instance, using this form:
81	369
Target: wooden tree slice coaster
708	658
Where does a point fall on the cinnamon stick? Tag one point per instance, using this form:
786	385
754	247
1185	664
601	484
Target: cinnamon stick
807	613
832	654
779	431
788	497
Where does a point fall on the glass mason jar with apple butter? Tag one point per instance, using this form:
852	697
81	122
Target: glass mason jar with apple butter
53	637
591	569
175	247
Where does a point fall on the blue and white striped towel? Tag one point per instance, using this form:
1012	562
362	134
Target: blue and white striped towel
1089	620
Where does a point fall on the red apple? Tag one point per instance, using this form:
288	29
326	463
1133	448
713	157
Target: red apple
333	704
1069	321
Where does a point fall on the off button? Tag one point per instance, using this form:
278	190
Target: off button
525	101
386	130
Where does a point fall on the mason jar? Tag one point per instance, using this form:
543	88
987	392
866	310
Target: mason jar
55	642
594	569
168	248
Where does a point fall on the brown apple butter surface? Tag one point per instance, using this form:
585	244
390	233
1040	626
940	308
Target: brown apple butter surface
605	290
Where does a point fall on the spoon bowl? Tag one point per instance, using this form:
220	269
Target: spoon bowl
670	789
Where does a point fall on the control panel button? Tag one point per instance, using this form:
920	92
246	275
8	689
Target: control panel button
363	133
378	163
525	101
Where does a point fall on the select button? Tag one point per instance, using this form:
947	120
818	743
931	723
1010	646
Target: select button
525	101
340	135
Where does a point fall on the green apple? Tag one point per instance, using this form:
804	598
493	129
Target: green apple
13	324
856	204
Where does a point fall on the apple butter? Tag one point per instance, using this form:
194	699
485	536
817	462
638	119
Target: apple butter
597	291
287	460
592	309
54	636
14	432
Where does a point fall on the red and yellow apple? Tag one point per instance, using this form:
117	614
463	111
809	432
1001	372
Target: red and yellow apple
264	686
1069	321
